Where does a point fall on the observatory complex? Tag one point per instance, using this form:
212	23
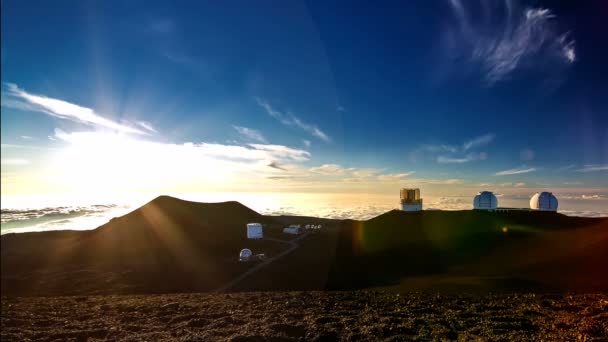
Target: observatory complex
484	200
410	199
540	201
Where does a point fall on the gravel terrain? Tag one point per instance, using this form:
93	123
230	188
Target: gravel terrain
320	316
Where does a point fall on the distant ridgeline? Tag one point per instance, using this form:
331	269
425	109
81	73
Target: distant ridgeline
171	245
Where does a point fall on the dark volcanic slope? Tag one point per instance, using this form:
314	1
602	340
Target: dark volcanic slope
448	251
170	245
309	316
166	245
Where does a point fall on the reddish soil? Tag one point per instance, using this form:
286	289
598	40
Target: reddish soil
297	316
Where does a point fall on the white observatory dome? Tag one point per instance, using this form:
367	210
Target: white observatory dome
254	231
245	254
485	200
544	201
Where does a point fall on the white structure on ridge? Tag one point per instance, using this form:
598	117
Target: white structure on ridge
245	254
292	229
544	201
410	199
485	200
254	231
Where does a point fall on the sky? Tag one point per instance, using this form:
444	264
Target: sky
452	96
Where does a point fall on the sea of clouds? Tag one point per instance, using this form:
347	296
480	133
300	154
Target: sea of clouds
82	217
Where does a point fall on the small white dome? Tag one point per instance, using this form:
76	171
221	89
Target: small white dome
544	201
485	200
245	254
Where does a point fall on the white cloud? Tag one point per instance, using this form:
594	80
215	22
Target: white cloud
289	119
306	143
328	169
146	125
282	152
439	148
26	137
504	37
449	181
457	154
250	133
251	152
478	141
582	196
91	160
393	177
452	160
516	171
14	161
29	147
593	168
62	109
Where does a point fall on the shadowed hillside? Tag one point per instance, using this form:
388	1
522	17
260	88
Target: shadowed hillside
443	249
171	245
166	245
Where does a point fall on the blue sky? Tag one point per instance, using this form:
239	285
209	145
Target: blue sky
304	96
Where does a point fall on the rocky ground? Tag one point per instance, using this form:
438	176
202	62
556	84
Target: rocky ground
286	316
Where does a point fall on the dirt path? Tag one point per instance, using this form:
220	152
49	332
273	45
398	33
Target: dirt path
293	245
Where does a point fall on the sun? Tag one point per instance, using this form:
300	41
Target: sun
108	162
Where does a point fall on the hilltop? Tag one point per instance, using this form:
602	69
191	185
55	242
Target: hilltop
171	245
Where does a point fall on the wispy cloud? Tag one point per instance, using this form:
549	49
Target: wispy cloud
282	152
394	177
503	184
478	141
452	160
505	36
458	154
449	181
289	119
61	109
593	168
146	125
306	143
582	196
14	161
328	169
250	133
516	171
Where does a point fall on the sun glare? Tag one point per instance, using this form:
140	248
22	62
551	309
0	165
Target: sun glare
106	162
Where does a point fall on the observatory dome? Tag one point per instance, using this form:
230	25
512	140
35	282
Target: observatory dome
245	254
485	200
544	201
